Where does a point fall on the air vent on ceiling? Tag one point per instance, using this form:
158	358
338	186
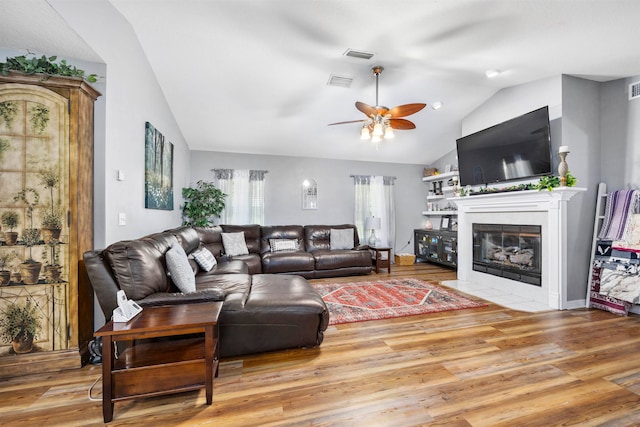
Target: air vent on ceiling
358	54
634	90
340	81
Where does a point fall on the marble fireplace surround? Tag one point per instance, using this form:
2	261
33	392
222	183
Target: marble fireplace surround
545	208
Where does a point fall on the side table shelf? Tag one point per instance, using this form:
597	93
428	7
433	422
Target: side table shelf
152	368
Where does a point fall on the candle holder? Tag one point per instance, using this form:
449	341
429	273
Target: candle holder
563	168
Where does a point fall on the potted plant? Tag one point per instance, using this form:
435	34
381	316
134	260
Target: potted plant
5	258
10	219
51	218
30	268
201	204
19	325
52	268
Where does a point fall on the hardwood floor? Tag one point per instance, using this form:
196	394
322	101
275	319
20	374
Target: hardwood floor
479	367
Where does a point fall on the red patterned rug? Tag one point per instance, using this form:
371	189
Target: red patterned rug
383	299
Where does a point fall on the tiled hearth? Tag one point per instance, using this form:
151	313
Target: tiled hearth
547	209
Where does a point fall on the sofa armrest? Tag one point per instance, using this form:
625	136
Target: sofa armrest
362	248
172	298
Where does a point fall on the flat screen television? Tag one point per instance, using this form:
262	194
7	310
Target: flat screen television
519	148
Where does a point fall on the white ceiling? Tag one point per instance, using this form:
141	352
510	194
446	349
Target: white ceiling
251	76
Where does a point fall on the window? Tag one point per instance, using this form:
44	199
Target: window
245	195
374	197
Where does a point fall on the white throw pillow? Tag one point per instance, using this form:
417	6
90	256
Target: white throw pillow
205	259
283	245
234	244
180	269
341	238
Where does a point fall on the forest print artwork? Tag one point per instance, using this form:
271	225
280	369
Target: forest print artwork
158	171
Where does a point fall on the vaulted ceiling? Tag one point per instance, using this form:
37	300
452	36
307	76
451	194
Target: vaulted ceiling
250	76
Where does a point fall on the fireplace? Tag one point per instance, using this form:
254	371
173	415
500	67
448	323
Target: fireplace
509	251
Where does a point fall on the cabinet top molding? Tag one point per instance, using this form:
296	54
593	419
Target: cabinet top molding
46	80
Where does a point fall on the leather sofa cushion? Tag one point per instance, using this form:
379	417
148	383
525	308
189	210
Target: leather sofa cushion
285	262
281	232
188	238
252	260
332	259
251	235
139	267
319	236
211	238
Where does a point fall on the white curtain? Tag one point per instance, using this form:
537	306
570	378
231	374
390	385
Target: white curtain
374	197
245	195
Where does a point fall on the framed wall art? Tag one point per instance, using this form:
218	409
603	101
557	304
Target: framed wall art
158	170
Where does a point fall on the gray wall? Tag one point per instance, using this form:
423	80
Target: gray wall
283	188
620	123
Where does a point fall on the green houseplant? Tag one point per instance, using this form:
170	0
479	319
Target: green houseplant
49	66
201	204
10	219
5	258
30	268
52	217
19	325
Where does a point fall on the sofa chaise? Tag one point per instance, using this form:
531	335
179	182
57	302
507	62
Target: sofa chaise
262	311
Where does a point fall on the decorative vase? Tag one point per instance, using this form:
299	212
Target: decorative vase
10	238
49	234
23	343
5	277
30	272
52	273
428	225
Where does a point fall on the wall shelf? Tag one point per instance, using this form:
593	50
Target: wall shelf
440	177
438	213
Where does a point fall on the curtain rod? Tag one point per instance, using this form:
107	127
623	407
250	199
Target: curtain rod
354	176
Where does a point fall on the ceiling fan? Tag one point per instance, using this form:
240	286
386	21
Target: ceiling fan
381	121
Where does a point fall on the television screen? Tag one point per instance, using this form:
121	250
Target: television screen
519	148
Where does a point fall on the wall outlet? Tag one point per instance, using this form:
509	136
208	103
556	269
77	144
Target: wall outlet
122	218
120	175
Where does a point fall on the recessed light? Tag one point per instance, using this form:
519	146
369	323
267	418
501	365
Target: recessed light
492	73
436	105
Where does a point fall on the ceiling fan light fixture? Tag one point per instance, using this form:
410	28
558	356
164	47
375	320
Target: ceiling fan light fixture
388	132
376	139
364	132
377	130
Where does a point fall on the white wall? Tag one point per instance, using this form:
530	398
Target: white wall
283	188
132	98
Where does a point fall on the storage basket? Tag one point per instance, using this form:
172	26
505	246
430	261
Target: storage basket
429	171
404	259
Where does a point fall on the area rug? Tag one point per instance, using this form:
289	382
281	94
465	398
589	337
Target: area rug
384	299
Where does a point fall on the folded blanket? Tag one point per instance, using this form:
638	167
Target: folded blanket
620	205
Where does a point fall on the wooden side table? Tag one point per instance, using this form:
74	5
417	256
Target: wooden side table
378	261
148	369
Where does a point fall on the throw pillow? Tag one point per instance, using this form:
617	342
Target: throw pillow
341	238
180	270
205	259
283	245
234	244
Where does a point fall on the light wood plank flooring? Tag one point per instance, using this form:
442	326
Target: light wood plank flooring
479	367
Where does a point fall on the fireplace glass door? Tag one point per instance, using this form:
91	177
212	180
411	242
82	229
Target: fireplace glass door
509	251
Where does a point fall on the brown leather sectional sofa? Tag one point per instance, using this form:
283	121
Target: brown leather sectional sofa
262	311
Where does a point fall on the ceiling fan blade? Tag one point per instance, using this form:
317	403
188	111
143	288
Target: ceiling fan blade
401	124
350	121
406	110
368	110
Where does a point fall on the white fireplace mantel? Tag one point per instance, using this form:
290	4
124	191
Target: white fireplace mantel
545	208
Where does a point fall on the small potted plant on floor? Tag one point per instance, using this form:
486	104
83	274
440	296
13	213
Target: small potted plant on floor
5	258
19	325
10	219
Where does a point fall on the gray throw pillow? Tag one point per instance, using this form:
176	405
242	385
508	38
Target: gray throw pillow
341	238
205	259
180	269
234	244
283	245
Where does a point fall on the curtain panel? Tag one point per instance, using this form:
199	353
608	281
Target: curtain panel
374	196
245	195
